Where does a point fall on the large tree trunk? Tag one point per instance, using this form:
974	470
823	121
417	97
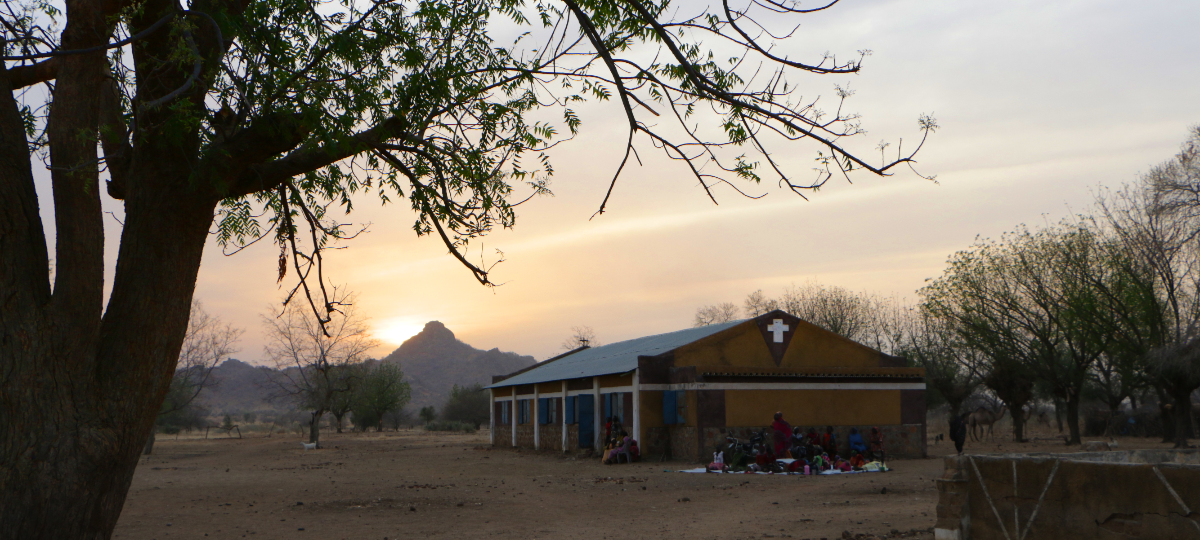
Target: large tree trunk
314	427
149	449
1165	416
1111	430
1018	422
1183	418
1058	417
1073	419
81	383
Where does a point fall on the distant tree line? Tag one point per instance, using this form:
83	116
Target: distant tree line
1103	306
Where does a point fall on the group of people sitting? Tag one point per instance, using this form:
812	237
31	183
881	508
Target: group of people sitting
811	453
618	445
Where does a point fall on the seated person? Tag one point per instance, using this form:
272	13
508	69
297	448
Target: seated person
857	461
764	457
797	444
829	441
876	441
614	451
856	441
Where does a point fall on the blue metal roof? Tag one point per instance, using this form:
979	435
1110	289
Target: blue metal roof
620	357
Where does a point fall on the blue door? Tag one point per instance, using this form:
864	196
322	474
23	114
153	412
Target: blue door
586	411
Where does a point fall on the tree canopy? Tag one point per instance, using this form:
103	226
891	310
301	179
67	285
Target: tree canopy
262	119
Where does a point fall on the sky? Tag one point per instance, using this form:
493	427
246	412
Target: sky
1039	104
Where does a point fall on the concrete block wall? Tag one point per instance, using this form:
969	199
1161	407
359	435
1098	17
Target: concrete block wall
1143	494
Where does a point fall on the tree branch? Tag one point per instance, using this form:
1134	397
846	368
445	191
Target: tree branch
31	74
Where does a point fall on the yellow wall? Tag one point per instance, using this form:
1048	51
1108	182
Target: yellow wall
744	346
812	407
549	387
503	391
611	381
651	406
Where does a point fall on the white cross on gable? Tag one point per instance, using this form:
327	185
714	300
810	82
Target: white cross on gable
778	328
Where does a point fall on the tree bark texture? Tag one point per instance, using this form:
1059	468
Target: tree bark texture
81	382
1073	419
314	427
1183	418
1018	422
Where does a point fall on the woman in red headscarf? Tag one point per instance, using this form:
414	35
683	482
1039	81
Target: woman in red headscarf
782	431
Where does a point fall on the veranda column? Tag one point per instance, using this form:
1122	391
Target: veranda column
564	416
637	409
597	408
512	414
535	407
492	417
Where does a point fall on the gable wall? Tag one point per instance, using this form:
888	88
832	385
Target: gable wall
743	346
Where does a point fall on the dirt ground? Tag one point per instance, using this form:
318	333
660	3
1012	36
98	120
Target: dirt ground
422	484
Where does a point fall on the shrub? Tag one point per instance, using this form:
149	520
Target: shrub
445	425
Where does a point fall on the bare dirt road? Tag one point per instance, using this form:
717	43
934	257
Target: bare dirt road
421	484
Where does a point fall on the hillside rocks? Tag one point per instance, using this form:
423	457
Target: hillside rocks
434	360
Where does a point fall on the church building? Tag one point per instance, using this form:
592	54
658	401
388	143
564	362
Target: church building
680	394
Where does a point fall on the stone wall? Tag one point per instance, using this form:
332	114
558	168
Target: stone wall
525	435
550	437
1100	495
572	437
503	435
899	441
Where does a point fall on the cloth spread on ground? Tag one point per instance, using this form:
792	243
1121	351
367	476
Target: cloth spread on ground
873	466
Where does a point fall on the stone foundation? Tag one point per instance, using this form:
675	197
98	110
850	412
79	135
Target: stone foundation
550	437
503	435
525	435
1095	495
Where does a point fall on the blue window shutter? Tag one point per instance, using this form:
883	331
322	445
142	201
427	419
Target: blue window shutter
542	410
669	411
680	402
607	408
569	408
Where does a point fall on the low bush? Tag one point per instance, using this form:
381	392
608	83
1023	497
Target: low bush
445	425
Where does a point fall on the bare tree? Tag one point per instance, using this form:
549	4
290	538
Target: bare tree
581	336
849	314
757	303
315	362
952	369
716	314
208	342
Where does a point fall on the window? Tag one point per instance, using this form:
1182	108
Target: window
569	409
614	406
504	411
547	411
523	411
674	402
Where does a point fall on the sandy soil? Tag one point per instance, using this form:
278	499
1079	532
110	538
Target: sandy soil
422	484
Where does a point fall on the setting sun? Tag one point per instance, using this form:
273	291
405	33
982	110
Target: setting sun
395	330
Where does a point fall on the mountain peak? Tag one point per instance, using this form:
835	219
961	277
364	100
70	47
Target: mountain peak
434	360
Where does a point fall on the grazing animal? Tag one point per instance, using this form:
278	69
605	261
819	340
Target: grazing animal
1100	446
939	438
309	446
982	418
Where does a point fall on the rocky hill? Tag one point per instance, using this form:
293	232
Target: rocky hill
238	387
434	360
